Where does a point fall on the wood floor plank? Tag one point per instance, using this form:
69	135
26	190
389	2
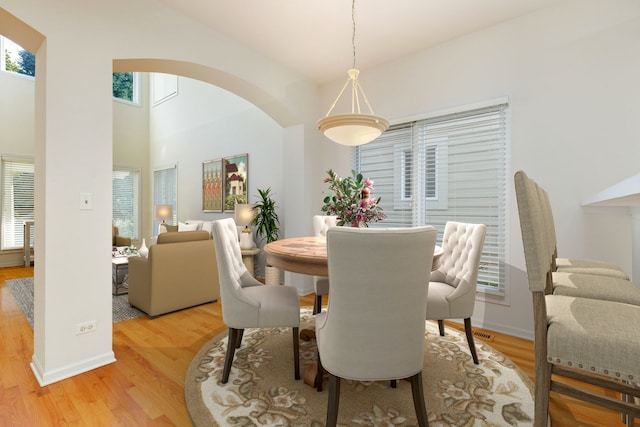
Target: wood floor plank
145	386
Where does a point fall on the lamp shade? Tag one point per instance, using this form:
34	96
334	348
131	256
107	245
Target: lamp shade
244	214
164	212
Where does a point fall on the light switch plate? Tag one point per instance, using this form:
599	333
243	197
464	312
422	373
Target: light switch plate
86	201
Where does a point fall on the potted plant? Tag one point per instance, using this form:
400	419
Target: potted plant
267	222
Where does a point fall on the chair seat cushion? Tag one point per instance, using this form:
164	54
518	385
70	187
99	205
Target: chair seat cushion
577	336
279	306
588	266
595	287
438	306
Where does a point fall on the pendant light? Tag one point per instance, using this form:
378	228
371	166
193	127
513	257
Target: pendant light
353	128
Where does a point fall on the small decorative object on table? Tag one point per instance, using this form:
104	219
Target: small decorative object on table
351	200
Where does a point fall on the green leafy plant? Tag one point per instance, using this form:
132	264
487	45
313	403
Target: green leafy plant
266	219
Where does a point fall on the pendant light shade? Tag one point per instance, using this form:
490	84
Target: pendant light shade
353	128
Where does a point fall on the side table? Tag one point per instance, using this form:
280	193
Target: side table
120	275
247	258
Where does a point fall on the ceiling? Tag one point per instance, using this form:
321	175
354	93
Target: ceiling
314	37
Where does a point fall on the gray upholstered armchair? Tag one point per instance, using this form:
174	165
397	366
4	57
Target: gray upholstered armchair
247	303
374	326
321	223
452	289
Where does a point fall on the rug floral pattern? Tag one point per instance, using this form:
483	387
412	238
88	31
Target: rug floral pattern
262	392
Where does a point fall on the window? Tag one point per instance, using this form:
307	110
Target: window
125	87
126	201
17	200
165	189
16	59
446	168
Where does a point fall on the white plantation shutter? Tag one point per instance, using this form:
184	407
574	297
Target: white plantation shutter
126	201
17	200
454	167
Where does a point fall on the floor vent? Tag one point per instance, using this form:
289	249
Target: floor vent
483	335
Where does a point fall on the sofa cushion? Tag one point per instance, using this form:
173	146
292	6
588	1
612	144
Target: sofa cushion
185	236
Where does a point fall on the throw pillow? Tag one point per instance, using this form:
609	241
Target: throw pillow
187	227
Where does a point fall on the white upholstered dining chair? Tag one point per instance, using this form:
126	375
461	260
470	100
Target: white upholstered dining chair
247	303
321	223
452	288
374	326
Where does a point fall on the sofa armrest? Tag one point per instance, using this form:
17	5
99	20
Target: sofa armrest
140	283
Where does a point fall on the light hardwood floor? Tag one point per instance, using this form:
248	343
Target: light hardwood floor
145	386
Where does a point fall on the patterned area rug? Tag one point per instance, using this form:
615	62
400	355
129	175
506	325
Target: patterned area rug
22	291
262	392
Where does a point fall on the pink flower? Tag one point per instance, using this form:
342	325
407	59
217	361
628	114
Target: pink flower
359	217
368	182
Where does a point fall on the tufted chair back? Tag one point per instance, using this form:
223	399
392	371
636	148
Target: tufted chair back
321	223
462	248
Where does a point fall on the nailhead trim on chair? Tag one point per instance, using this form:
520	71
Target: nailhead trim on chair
569	363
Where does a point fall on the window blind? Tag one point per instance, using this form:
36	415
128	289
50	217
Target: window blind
17	200
447	168
126	201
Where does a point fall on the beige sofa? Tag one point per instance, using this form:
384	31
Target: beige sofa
180	272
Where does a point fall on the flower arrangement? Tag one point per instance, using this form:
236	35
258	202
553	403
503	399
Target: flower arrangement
351	200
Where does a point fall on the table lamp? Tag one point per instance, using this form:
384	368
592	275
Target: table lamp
163	212
244	214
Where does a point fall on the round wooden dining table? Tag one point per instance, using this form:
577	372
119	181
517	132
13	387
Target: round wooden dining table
308	255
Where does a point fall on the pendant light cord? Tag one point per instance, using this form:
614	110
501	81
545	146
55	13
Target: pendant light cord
353	36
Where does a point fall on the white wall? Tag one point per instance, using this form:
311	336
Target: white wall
570	74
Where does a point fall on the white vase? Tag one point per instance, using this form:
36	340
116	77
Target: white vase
144	250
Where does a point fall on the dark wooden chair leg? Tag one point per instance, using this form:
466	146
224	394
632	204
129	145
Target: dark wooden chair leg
441	327
334	398
418	399
231	349
239	339
317	306
319	375
296	353
394	383
472	345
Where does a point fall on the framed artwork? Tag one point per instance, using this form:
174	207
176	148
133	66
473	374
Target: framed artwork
236	179
212	186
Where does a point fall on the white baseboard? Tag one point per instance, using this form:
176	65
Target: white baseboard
45	378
